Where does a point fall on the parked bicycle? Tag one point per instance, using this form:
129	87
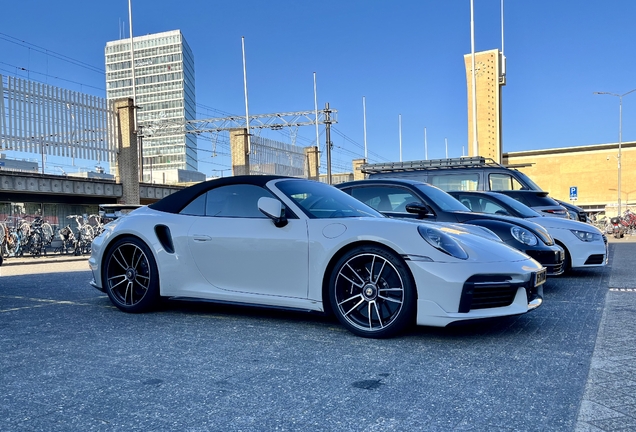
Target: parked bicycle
83	236
10	239
36	236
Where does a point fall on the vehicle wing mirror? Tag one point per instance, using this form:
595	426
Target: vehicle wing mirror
420	209
273	209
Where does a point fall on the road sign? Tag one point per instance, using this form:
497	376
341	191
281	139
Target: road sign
574	193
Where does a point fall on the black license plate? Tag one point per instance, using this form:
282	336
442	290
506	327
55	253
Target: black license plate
540	277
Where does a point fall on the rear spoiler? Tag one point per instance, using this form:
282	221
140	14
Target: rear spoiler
113	211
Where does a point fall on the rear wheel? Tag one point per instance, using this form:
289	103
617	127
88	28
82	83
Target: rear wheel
372	292
130	276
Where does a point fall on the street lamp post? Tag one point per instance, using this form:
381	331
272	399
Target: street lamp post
620	136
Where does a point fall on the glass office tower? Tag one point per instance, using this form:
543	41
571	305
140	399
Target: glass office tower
164	75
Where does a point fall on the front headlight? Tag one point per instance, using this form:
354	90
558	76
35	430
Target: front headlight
587	236
524	236
442	241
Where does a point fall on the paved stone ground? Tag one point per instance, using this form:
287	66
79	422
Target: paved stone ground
71	361
609	401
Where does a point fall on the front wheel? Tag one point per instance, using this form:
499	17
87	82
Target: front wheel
130	276
372	292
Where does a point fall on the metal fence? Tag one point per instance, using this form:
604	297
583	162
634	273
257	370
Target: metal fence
278	158
43	119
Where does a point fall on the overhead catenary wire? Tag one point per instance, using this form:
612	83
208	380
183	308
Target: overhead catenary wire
51	53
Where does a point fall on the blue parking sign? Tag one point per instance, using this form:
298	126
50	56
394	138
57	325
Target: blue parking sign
574	193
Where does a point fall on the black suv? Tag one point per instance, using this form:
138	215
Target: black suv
417	200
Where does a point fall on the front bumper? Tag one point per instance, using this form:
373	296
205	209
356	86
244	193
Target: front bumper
553	260
452	292
588	254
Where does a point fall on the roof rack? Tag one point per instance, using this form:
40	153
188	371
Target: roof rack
462	162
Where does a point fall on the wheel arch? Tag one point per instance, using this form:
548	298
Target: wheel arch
109	246
567	263
336	257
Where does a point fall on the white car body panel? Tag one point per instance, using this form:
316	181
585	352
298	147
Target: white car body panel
561	230
251	261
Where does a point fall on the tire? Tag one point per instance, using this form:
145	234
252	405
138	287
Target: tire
47	232
567	262
372	292
130	276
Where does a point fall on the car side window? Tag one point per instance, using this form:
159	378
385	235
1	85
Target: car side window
235	201
451	182
491	207
196	207
504	182
228	201
385	198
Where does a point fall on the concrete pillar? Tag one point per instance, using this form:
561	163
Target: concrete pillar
488	83
357	173
127	162
238	147
312	158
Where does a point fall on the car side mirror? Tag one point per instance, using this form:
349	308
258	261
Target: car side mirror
273	209
420	209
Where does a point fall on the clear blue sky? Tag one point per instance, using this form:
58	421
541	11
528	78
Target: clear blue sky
405	57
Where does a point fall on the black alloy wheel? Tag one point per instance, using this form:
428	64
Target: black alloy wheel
372	292
130	275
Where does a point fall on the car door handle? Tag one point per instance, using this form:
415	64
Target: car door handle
201	237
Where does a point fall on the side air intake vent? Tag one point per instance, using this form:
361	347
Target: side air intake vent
165	238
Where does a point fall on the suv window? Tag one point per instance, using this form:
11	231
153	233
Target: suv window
504	182
385	198
458	181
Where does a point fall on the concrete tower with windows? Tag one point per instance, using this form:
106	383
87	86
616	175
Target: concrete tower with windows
164	87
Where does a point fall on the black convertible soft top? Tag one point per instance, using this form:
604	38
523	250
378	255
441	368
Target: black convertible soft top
175	202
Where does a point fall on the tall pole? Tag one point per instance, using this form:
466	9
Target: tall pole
620	141
620	138
42	151
425	146
474	80
400	132
502	77
134	89
502	28
364	122
328	137
316	111
247	113
446	144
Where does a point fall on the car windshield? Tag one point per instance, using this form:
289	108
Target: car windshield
523	210
443	200
322	201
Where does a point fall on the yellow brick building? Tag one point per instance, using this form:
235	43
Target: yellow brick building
593	169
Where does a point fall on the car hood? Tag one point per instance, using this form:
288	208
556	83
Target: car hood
467	228
560	223
529	223
404	237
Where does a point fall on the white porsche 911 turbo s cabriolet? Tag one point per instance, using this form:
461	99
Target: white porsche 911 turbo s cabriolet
295	243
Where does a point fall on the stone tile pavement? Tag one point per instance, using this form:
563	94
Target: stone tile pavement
609	401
